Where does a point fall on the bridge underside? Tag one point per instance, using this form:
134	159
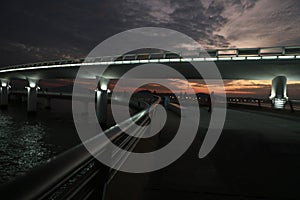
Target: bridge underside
248	70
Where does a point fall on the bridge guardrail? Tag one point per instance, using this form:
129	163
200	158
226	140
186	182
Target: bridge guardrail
292	105
76	174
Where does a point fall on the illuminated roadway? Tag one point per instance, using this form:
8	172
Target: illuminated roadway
256	157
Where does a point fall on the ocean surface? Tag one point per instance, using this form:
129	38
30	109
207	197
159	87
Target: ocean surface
27	141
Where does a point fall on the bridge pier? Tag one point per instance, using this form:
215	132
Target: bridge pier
278	93
32	91
4	93
102	100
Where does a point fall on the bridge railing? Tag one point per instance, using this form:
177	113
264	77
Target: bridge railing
282	52
291	105
248	101
77	174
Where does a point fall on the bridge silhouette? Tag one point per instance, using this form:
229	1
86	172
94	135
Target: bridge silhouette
250	63
225	173
257	59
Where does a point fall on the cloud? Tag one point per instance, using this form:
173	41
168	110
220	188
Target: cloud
57	28
268	23
40	30
190	17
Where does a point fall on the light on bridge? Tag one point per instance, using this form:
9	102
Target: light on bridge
32	84
103	87
239	58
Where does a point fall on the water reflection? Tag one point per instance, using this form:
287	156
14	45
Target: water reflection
21	146
26	142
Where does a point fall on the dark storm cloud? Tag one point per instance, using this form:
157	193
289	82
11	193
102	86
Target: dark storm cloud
192	17
34	30
40	30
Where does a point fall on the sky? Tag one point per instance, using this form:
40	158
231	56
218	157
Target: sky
35	30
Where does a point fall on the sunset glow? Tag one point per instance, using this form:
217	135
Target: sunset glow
243	88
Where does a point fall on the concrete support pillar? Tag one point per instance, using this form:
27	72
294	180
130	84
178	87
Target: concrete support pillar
259	103
4	93
32	91
102	100
278	92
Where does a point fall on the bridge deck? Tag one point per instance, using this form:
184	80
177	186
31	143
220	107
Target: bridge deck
257	157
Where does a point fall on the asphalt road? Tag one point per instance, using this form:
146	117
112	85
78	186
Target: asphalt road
256	157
